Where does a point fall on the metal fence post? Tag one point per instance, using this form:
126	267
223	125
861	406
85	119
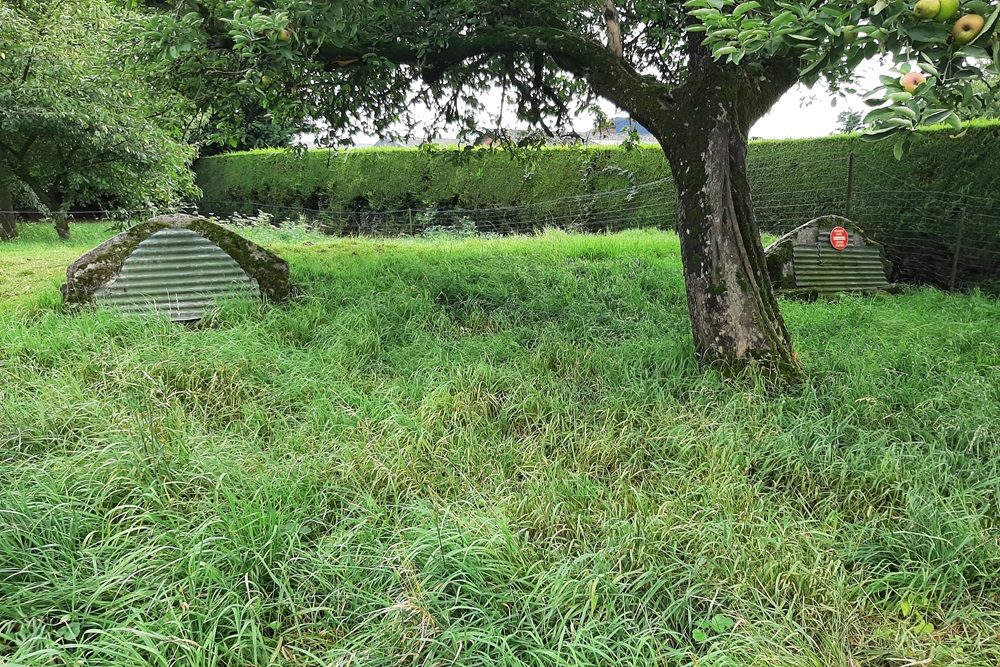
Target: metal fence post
958	251
848	204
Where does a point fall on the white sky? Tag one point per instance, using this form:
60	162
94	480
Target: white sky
805	112
802	112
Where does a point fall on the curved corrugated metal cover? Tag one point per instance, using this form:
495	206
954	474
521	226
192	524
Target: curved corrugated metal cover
178	273
824	269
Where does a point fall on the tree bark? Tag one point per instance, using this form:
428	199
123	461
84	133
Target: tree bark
55	204
8	221
61	223
735	317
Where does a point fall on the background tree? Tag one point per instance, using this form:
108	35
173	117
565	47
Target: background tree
849	121
697	74
79	124
252	128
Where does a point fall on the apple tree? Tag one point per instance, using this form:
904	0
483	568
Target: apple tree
697	74
79	125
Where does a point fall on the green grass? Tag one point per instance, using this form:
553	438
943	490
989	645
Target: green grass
492	452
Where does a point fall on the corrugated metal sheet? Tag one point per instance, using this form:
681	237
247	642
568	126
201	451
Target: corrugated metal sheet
178	273
822	268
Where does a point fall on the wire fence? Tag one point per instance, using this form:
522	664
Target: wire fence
651	205
949	239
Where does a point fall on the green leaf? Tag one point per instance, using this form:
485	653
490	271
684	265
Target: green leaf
879	134
899	122
722	623
700	636
725	51
931	33
783	18
815	65
745	7
878	114
935	116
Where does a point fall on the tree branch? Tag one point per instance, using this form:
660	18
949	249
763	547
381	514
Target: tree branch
608	75
23	153
613	27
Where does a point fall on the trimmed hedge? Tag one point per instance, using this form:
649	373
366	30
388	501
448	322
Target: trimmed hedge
392	178
915	206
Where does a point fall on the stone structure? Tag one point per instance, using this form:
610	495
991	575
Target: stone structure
177	265
803	261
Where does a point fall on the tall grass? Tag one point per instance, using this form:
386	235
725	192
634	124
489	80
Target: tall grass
493	452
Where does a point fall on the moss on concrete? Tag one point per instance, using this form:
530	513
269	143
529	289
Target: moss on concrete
100	266
269	270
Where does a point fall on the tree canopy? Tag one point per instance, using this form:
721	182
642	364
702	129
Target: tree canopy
697	74
363	65
79	123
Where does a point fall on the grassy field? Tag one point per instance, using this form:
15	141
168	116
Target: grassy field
491	452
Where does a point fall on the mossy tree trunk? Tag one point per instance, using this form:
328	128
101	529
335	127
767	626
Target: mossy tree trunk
735	317
8	221
57	208
61	223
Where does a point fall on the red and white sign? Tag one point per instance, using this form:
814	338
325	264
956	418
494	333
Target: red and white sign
839	238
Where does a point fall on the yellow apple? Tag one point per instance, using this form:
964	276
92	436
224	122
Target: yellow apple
927	9
968	28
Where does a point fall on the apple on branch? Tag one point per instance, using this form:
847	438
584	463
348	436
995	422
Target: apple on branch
948	9
911	80
968	28
927	9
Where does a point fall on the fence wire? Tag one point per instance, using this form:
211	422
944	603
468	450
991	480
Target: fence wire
950	239
651	205
945	238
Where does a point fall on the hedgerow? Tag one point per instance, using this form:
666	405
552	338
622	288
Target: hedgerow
915	206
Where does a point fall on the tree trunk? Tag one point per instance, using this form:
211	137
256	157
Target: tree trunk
8	221
61	221
734	314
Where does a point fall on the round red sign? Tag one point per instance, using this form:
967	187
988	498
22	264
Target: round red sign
839	238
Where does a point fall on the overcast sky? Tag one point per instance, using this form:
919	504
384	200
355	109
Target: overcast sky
802	112
805	112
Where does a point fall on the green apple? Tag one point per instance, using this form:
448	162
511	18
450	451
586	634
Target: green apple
948	9
911	80
850	34
968	28
927	9
285	35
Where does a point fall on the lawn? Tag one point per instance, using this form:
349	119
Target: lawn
491	452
